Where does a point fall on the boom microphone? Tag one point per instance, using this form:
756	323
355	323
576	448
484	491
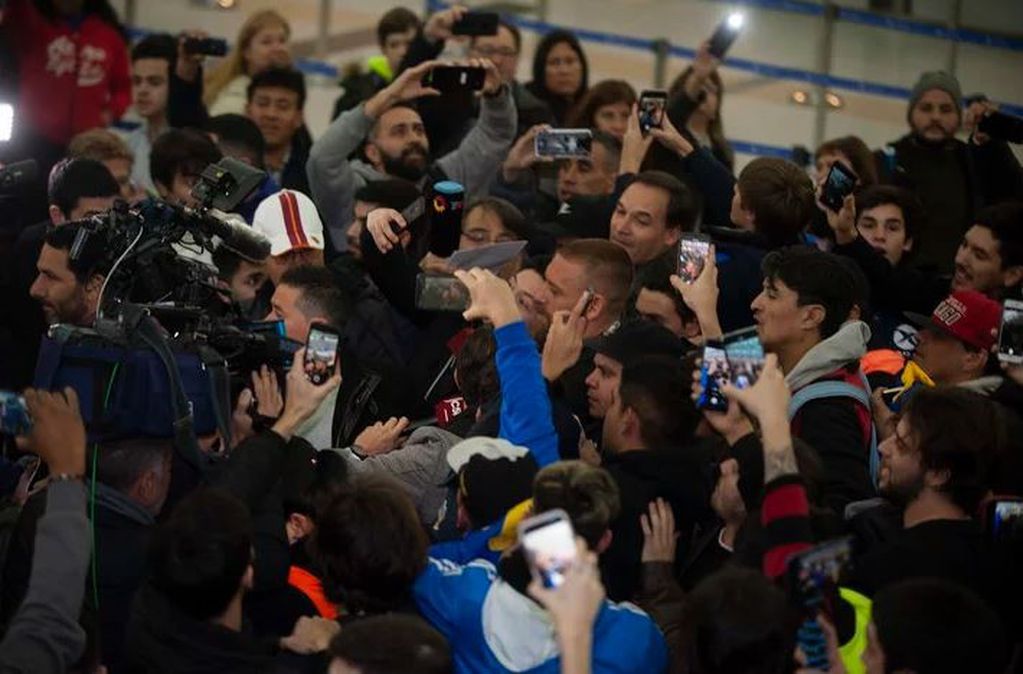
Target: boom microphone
238	236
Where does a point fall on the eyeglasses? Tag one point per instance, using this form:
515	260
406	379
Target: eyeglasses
490	52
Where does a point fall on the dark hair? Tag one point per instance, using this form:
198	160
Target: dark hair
817	278
655	387
589	496
392	193
320	295
716	129
906	201
607	266
683	209
781	197
396	20
156	46
278	78
370	545
237	134
1005	220
655	276
737	621
476	368
392	644
101	9
505	211
310	492
933	626
961	432
511	28
198	557
99	144
184	151
81	178
605	92
537	263
559	106
120	464
859	155
93	257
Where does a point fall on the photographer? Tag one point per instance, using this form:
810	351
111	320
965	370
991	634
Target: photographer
954	179
396	146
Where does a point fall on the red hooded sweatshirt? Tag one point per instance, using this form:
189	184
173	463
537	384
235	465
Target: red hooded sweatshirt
73	76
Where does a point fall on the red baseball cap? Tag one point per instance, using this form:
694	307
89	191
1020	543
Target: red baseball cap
969	316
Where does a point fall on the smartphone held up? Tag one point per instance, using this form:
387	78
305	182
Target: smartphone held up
725	34
321	353
548	541
692	256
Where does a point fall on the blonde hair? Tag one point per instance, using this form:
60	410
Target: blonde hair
99	144
233	64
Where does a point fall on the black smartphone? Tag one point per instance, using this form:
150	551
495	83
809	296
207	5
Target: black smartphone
725	34
441	293
564	143
1002	126
692	256
652	103
207	46
14	417
1010	335
815	574
1005	519
477	23
452	79
839	184
321	352
714	373
745	356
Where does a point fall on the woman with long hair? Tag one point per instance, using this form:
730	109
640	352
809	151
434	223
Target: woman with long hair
700	88
262	43
560	73
605	107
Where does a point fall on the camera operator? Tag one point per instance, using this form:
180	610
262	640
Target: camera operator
178	158
954	179
79	188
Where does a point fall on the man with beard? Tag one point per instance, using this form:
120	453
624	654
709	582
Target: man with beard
953	179
68	289
935	466
396	146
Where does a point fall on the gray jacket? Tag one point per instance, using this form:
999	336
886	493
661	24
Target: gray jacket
334	180
420	466
44	635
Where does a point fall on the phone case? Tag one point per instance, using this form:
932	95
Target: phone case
564	143
441	293
321	353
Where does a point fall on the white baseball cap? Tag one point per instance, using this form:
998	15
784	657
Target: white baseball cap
290	221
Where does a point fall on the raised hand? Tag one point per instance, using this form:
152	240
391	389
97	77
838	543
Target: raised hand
269	401
564	342
303	397
702	296
491	298
574	605
58	432
659	535
634	145
439	26
379	223
668	136
842	223
522	155
407	86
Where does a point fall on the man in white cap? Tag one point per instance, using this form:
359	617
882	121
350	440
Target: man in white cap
290	221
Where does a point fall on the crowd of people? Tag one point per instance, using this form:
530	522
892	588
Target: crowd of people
365	519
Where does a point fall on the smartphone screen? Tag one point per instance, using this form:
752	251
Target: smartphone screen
692	254
321	353
714	373
441	293
840	183
814	575
745	356
1006	521
455	78
14	418
549	543
564	143
1010	336
651	109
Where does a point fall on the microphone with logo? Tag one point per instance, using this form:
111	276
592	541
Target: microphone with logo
445	206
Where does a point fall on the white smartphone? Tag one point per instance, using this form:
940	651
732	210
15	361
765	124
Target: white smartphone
549	543
1010	335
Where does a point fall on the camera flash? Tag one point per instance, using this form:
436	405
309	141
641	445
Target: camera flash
6	121
735	20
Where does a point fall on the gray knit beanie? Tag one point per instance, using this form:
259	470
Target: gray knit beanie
936	79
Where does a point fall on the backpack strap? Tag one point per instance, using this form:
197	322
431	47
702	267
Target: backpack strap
840	389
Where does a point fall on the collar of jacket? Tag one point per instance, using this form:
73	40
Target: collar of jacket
847	345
